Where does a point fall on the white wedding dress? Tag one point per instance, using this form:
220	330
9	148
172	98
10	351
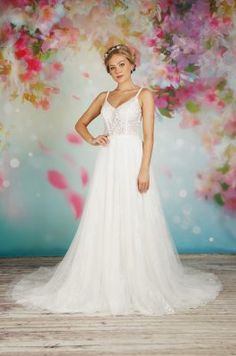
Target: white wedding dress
122	259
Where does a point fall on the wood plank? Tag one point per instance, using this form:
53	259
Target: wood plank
207	330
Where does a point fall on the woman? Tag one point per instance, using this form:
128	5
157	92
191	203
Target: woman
122	259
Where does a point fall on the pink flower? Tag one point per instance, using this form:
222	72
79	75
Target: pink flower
21	3
161	102
34	64
23	53
151	42
188	120
164	4
46	44
173	74
57	66
51	90
230	126
22	41
51	71
159	33
230	178
7	31
182	95
230	199
227	20
221	104
211	97
43	3
214	22
47	13
44	103
221	51
209	184
27	76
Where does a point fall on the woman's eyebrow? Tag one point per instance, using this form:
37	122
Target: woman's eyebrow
117	63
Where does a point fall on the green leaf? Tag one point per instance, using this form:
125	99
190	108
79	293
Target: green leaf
192	106
36	47
228	97
183	7
230	149
44	56
221	84
218	199
191	68
165	112
209	43
171	93
224	169
224	185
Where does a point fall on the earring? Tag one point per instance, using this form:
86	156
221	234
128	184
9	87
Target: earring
133	69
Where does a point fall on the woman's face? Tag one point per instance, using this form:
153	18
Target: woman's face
120	67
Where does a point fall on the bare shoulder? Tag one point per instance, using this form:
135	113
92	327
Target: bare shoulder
100	97
147	98
98	101
147	93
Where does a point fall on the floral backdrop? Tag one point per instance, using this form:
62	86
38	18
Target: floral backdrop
185	53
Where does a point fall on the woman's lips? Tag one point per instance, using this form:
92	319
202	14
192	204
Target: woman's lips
119	76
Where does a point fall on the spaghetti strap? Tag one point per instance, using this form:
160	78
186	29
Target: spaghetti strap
139	91
105	98
107	95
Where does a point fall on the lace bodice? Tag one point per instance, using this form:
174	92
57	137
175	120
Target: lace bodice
124	119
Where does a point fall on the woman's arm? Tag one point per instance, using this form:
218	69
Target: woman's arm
90	114
148	109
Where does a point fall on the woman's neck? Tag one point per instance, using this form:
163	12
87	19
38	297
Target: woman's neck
128	85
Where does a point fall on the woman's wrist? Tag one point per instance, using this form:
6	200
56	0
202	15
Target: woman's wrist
91	140
144	169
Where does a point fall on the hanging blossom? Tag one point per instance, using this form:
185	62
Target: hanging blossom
31	35
195	43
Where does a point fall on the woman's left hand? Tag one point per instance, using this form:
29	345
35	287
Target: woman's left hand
143	181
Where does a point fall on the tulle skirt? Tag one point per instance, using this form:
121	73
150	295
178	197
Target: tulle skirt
122	259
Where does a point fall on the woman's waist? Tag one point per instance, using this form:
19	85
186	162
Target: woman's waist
124	136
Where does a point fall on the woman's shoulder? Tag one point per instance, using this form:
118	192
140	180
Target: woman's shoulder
100	96
147	93
146	90
102	93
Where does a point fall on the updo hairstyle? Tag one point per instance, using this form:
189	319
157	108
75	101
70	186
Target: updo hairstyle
120	49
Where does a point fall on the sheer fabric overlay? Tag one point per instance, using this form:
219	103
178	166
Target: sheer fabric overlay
122	259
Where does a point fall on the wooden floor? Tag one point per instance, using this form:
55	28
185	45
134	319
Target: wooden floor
208	330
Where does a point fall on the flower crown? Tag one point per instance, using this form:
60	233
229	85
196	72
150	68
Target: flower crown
112	49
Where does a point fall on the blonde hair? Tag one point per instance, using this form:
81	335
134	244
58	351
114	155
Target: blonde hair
120	49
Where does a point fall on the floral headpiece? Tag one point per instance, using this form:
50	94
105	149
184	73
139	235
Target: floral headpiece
112	49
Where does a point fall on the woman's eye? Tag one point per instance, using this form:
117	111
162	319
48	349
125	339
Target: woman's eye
121	64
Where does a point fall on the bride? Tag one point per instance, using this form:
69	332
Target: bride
122	259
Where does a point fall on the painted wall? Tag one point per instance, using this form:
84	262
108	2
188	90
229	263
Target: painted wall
45	167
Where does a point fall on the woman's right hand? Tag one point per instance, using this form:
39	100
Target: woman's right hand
100	140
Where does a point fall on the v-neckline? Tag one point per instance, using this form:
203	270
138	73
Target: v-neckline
132	97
